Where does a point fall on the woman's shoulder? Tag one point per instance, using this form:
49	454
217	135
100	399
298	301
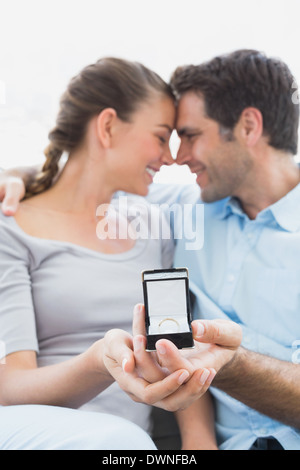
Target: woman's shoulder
12	241
6	221
12	230
9	223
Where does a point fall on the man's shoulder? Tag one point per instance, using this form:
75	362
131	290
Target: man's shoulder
160	193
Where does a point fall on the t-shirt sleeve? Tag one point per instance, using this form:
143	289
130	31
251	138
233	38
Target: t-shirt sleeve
17	318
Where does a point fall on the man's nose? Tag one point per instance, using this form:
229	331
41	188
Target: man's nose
183	155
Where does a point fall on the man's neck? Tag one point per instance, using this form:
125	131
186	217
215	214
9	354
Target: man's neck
270	183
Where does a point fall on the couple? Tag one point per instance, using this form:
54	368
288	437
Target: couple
238	128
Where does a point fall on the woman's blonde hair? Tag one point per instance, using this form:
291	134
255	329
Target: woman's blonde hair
109	83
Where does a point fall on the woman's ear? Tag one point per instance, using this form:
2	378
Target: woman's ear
250	126
106	121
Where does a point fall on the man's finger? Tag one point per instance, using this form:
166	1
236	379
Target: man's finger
222	332
14	191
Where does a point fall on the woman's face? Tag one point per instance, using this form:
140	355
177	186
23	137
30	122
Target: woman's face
143	146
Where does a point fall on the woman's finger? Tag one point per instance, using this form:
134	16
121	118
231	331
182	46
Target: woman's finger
171	358
146	362
118	351
144	392
138	324
190	391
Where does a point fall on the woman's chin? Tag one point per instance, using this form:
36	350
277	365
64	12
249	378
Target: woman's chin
142	191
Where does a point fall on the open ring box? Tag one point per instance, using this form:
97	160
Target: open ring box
167	307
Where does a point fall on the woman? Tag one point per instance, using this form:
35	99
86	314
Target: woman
62	286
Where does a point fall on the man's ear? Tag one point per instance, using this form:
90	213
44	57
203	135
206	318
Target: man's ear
250	126
106	121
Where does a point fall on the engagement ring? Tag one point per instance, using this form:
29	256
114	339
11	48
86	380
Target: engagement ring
169	325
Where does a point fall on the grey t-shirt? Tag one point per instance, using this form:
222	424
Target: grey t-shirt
57	298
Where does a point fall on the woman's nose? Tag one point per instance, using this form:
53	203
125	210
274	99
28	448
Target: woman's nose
167	158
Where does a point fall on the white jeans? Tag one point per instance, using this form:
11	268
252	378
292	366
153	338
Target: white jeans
39	427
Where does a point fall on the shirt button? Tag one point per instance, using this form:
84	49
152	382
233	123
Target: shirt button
263	431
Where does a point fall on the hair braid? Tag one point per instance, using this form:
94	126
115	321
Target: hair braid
43	180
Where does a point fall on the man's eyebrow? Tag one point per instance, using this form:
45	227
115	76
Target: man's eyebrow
186	130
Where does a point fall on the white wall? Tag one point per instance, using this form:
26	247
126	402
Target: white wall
45	42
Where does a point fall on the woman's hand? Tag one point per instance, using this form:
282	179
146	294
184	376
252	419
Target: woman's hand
12	191
119	360
140	374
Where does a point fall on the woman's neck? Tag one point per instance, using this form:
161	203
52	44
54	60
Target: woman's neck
81	188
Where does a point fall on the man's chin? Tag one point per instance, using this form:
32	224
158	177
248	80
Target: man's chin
210	195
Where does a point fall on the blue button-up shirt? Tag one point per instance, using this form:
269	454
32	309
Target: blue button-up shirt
248	271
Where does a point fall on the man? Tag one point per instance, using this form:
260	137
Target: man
238	125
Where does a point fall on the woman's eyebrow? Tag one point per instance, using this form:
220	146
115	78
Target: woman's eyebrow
170	129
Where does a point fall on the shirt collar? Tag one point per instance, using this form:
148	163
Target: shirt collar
286	211
229	206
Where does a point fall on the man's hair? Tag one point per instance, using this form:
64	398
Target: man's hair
246	78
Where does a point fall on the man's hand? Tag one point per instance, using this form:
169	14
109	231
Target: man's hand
12	191
13	183
216	343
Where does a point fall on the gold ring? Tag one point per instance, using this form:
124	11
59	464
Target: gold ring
170	319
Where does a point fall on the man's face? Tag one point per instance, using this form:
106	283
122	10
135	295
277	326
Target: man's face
221	165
